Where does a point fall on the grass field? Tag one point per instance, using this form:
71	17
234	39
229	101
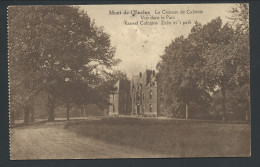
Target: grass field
172	138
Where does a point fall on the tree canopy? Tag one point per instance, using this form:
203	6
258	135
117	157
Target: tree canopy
212	58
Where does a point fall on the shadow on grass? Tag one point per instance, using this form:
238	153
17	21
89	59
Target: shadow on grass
173	138
59	120
27	124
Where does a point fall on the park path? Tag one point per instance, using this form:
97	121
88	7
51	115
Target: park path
52	141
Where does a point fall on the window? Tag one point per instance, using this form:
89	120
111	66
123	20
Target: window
150	107
137	96
114	97
151	94
143	96
134	97
113	108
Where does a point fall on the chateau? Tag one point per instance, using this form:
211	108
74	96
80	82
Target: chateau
135	97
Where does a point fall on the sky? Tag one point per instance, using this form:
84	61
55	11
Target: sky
139	46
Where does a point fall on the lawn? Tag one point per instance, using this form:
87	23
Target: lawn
172	138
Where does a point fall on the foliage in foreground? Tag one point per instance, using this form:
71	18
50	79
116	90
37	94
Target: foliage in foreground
59	50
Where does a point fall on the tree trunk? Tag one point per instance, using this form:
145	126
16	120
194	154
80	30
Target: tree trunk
51	113
51	108
68	112
32	116
32	104
26	116
187	107
223	91
187	110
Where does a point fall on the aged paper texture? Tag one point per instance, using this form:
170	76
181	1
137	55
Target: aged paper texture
129	81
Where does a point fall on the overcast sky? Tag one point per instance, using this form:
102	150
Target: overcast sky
140	46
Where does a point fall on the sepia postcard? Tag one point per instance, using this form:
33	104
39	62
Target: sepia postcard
129	81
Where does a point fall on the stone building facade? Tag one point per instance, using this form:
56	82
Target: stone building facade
144	94
135	97
120	102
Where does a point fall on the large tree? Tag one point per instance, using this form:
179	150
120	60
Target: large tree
57	49
179	76
214	40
